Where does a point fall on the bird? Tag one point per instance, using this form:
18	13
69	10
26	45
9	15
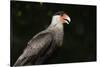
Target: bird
43	44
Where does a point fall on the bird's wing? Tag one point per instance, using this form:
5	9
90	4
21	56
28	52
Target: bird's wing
39	43
35	48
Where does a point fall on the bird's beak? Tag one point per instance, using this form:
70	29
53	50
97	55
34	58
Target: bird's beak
67	20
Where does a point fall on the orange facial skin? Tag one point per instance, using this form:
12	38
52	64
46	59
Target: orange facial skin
63	17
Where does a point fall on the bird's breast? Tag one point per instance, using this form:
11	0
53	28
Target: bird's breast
58	37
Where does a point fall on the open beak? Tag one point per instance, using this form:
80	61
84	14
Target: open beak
67	20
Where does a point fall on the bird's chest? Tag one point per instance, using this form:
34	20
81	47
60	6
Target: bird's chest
58	37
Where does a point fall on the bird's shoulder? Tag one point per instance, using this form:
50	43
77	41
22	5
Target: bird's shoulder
43	35
39	42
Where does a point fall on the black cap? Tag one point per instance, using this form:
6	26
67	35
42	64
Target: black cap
60	13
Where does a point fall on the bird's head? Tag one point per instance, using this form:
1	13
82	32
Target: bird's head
62	17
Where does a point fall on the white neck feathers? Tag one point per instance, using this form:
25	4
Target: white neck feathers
56	22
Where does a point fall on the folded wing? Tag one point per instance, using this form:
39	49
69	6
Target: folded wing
35	48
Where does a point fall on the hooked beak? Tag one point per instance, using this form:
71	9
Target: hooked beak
67	20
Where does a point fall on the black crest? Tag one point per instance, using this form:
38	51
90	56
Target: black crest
60	13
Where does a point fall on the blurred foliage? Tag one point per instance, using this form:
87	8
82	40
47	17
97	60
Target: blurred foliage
19	13
50	13
41	4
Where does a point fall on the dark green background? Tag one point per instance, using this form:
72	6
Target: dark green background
29	18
